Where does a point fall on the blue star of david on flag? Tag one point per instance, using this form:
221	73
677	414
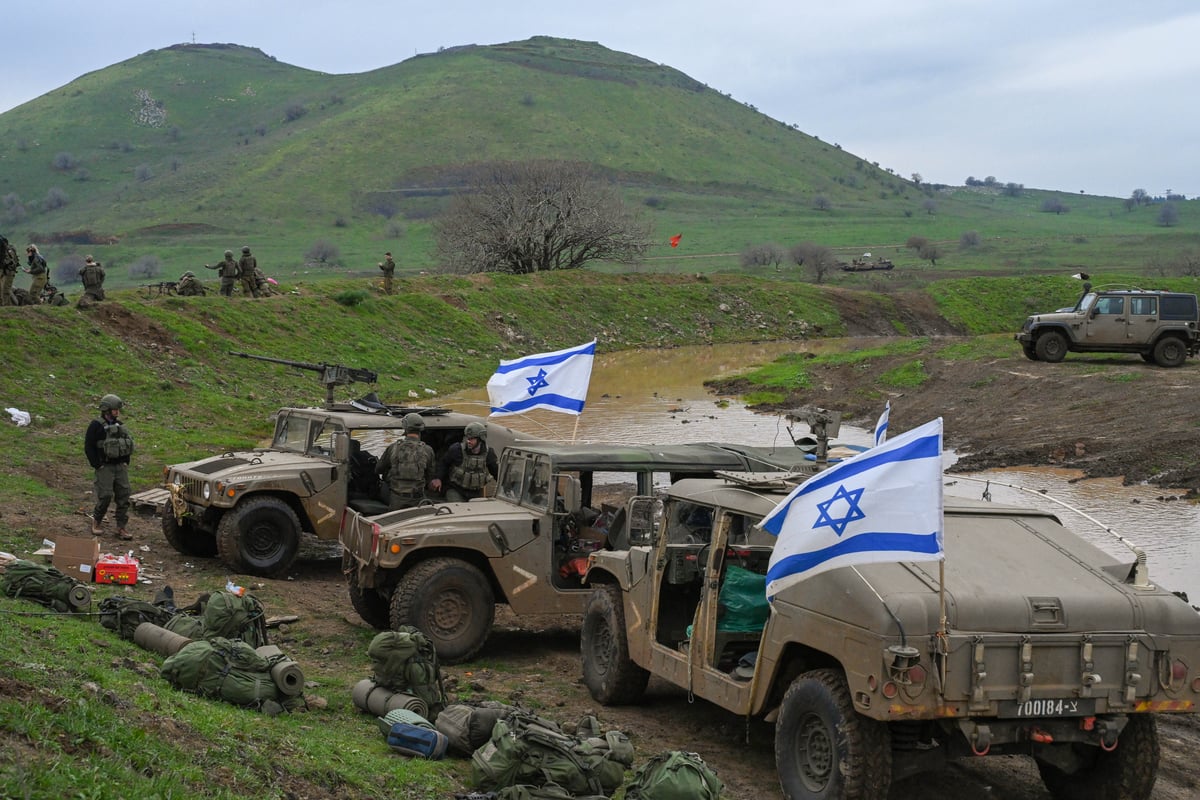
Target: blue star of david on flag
555	381
853	512
538	382
893	515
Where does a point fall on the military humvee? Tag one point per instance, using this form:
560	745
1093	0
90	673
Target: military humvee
443	567
1162	327
1050	648
252	507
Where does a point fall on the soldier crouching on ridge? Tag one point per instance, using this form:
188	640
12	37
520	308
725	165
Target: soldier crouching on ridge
92	275
108	446
189	285
228	273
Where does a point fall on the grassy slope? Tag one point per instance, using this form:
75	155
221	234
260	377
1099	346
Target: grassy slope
720	172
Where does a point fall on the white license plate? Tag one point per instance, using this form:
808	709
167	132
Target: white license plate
1048	707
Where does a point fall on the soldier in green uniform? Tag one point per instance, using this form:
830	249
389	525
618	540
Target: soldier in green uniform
10	262
51	296
466	467
247	266
38	270
108	446
407	465
189	285
388	266
92	275
229	272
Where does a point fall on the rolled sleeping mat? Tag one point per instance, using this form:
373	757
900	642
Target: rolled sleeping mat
79	597
159	640
371	697
286	674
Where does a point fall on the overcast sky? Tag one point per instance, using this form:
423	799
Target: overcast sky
1091	95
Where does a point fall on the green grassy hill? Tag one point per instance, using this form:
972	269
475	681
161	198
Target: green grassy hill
183	152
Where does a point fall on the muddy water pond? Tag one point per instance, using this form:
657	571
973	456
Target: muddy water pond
659	396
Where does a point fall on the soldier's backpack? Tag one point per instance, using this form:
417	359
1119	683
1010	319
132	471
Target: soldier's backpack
229	670
232	617
470	727
404	660
674	775
45	585
124	614
525	749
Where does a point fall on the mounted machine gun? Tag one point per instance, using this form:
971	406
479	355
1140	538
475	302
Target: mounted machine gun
331	374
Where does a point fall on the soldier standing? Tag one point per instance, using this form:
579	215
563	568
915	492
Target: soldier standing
92	275
108	446
10	262
38	271
248	265
229	272
467	466
388	266
407	465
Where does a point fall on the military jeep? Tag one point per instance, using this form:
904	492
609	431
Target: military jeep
1162	327
442	567
252	507
1049	647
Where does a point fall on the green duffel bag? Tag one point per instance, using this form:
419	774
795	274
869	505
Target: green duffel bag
124	614
404	660
469	727
186	625
674	775
230	616
45	585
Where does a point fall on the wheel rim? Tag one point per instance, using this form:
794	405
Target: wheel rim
261	542
815	754
602	647
449	614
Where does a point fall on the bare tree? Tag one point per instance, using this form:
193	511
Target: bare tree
323	251
55	198
762	255
143	172
532	216
1139	197
969	240
1055	206
928	205
821	203
1168	215
65	161
916	242
66	271
146	267
1013	189
817	258
930	252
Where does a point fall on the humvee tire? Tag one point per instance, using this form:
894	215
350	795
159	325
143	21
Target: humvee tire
1170	352
184	537
1029	352
1051	346
451	602
370	605
824	749
608	671
1126	773
261	536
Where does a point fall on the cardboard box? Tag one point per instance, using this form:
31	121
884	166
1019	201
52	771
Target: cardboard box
117	569
76	556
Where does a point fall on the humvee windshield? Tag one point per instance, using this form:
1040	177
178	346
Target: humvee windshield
291	433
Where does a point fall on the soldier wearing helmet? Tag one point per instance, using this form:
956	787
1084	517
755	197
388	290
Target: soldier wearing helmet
189	285
108	446
247	267
228	273
407	465
467	466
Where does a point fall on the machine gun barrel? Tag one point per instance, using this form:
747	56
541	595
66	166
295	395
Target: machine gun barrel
331	374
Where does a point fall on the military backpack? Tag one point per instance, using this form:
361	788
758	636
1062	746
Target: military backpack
124	614
674	775
404	660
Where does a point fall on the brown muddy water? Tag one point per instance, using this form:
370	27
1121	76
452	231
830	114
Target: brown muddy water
658	396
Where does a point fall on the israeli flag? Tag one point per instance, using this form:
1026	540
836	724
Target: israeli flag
882	425
555	381
882	505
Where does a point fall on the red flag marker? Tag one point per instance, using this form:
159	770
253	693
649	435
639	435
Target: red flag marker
675	239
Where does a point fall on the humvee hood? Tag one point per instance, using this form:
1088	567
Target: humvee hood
236	466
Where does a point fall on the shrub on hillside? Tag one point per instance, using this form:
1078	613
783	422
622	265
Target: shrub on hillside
66	271
322	252
146	267
350	297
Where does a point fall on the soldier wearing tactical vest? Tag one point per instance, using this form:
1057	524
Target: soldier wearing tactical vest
407	465
466	467
388	267
10	262
108	446
39	272
92	275
247	266
189	285
228	272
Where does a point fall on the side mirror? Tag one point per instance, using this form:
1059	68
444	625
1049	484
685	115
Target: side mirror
569	492
341	447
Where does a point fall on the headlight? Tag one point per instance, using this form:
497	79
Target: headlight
206	491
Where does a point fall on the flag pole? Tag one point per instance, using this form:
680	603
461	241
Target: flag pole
575	430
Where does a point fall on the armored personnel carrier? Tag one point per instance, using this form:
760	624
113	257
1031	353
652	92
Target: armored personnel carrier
1029	641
